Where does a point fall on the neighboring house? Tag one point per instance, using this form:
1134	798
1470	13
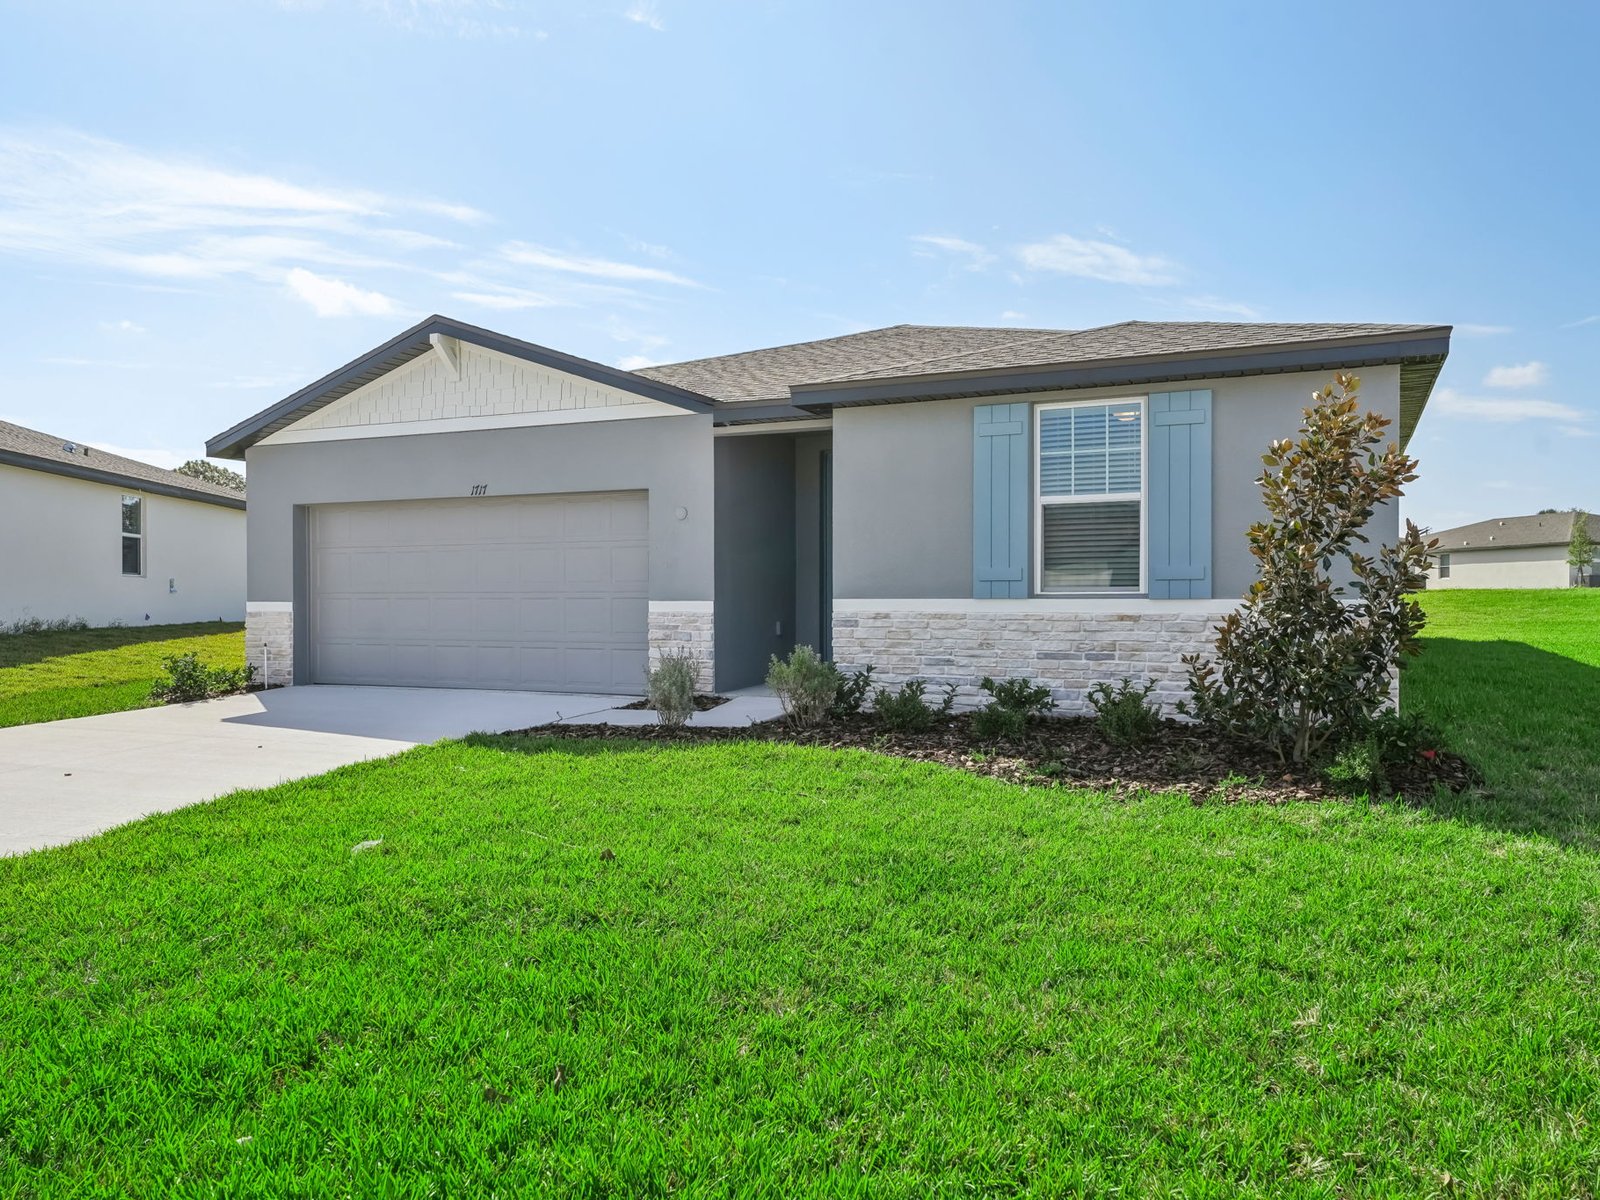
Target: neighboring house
105	538
1511	552
460	508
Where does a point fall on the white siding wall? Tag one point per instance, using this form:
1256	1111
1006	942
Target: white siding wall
61	554
1505	567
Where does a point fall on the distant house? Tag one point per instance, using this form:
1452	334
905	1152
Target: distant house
1509	552
94	535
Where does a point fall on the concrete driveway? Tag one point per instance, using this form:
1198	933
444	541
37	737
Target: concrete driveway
65	780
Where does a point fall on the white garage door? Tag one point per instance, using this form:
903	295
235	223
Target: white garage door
527	592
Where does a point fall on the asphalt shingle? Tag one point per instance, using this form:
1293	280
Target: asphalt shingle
20	440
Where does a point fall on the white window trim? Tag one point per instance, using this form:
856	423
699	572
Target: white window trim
1143	496
144	558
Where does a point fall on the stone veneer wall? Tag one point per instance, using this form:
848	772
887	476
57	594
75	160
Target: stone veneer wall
269	644
684	628
1069	652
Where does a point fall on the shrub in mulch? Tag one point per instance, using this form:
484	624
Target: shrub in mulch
1183	757
702	703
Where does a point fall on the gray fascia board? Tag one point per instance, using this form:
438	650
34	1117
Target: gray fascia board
760	412
132	483
1145	369
234	442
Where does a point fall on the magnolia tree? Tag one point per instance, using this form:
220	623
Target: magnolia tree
1308	658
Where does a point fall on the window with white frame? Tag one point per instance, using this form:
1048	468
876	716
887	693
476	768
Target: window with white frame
1089	531
132	535
1444	566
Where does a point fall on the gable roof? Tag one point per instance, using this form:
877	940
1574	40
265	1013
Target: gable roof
1539	529
415	342
926	362
35	451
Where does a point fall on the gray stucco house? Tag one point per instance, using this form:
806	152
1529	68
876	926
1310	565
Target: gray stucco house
458	508
1511	552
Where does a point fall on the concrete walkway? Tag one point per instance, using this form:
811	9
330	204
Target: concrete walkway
65	780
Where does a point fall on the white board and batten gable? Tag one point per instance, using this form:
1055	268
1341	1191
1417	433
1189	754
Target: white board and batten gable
458	387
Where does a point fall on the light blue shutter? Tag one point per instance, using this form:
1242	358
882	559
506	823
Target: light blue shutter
1180	496
1000	484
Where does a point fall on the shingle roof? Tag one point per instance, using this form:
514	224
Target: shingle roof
22	447
1540	529
769	374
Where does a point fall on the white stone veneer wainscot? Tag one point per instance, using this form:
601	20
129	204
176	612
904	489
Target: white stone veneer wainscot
1067	645
684	625
269	641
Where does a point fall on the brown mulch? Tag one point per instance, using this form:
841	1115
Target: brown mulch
702	703
1185	758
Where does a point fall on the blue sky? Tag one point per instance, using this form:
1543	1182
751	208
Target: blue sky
204	206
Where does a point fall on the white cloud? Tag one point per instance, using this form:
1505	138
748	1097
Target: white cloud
931	245
123	326
1470	330
646	13
1522	375
330	297
1013	315
1504	409
1105	261
1217	306
1581	321
457	18
632	362
527	255
101	363
506	299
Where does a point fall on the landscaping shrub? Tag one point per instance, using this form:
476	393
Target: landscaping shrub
669	685
907	710
1386	740
189	679
804	684
852	694
25	625
1124	714
1012	703
1306	661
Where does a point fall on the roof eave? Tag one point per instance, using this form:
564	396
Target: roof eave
50	466
1424	346
413	343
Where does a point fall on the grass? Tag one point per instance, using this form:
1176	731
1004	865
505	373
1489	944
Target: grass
803	972
1513	679
53	675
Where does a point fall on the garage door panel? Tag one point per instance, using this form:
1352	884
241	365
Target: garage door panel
546	593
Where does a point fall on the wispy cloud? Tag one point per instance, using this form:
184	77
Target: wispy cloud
1505	409
1471	330
1521	375
123	326
646	13
330	297
1582	321
527	255
155	456
497	19
632	362
971	255
66	360
506	299
1218	306
1092	259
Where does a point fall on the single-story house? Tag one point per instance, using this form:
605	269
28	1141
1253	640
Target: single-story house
105	538
1510	552
460	508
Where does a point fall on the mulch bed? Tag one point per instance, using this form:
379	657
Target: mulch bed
702	703
1069	751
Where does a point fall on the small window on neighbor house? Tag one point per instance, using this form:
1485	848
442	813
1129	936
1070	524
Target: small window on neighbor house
1090	525
1444	566
132	535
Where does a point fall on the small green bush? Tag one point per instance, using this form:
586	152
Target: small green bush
26	625
669	685
189	679
1012	703
1383	741
854	689
907	710
1123	713
804	684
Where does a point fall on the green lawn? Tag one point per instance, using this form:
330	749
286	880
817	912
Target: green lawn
1513	679
48	676
804	972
